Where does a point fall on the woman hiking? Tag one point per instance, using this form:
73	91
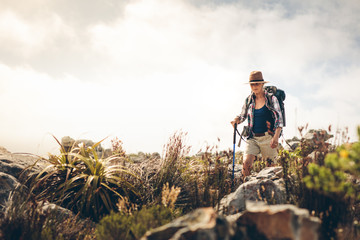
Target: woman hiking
265	123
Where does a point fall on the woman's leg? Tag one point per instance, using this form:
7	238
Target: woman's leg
251	150
247	164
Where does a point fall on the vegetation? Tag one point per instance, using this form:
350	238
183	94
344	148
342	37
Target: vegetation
124	199
27	219
82	181
131	223
336	181
326	183
203	179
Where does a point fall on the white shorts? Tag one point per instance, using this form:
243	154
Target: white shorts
257	145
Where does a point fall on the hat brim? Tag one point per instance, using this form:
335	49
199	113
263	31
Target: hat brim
256	82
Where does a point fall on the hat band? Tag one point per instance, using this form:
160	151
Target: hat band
257	80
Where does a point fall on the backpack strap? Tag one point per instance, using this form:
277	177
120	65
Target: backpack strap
269	98
248	101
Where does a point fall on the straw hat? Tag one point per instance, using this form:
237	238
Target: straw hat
256	77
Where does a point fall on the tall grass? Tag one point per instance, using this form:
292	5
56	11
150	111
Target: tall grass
203	179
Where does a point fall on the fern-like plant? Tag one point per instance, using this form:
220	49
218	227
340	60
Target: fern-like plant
84	182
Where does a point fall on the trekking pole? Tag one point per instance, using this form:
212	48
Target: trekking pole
235	129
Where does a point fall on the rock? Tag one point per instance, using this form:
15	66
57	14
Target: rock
286	221
291	145
270	173
155	155
107	153
67	142
203	223
11	168
258	188
314	142
137	158
237	170
237	167
61	213
4	151
7	184
141	157
312	139
20	203
317	135
259	221
14	164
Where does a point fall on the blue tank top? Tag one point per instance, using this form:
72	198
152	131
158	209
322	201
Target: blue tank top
260	117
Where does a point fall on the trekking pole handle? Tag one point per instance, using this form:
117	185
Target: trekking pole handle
235	128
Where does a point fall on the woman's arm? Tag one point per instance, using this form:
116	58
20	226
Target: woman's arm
275	139
242	117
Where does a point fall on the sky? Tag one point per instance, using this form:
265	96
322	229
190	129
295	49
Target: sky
141	70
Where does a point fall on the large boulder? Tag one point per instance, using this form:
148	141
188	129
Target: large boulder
312	140
11	168
7	184
265	186
316	135
203	223
261	221
14	163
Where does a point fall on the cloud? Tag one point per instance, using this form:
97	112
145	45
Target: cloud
26	38
153	67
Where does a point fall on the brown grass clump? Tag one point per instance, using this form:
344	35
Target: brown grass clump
169	196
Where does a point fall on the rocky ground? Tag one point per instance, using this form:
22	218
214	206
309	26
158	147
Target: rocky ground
256	210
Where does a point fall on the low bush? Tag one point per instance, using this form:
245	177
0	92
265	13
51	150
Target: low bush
335	185
133	225
26	219
325	183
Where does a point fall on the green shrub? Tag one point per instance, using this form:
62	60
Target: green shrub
133	226
326	185
338	169
294	170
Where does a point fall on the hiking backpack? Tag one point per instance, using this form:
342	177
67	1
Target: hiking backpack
280	95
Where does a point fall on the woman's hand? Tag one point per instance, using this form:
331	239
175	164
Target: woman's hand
274	142
236	120
275	139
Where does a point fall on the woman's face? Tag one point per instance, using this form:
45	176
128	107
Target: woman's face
257	87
